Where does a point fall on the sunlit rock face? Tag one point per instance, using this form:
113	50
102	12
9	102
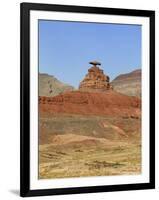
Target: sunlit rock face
95	79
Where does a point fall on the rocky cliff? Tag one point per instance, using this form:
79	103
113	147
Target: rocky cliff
108	103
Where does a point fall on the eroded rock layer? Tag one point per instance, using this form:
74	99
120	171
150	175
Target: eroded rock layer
95	80
108	103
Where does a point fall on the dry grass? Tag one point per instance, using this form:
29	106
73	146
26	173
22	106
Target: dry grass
56	162
75	146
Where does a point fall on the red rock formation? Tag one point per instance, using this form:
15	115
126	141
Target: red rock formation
92	103
95	80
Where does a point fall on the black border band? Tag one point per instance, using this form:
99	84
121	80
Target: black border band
25	9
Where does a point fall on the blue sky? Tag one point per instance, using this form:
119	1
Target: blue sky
65	49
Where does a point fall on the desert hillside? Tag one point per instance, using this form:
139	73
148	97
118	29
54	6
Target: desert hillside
128	84
77	145
51	86
89	134
111	128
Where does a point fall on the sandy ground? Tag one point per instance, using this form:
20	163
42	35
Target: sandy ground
75	156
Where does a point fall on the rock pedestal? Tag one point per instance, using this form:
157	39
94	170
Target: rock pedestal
95	80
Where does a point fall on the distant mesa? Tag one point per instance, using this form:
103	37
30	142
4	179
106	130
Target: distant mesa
128	84
95	80
50	86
